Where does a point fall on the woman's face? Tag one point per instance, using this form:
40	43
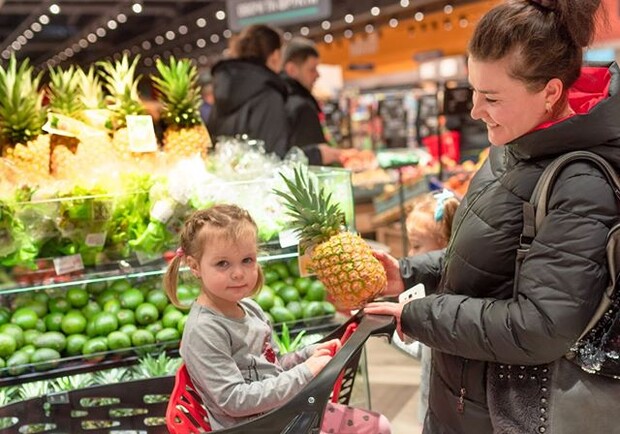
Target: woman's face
503	103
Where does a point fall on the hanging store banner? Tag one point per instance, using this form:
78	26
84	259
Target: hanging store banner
242	13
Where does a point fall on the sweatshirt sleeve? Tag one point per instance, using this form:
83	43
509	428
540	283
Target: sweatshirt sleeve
560	285
213	369
289	360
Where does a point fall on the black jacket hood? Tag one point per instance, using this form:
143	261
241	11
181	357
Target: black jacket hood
238	80
595	127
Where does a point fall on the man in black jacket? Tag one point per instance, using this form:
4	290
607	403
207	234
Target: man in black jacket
300	72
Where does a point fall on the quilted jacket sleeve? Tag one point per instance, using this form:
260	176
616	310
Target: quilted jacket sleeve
425	268
560	285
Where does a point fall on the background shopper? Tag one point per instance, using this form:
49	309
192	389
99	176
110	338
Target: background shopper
249	95
300	60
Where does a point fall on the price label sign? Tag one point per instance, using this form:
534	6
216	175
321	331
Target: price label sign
289	238
141	133
68	264
95	239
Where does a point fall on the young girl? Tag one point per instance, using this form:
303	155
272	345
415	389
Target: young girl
227	343
429	225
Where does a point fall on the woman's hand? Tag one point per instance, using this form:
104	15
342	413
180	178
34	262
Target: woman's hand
387	308
394	282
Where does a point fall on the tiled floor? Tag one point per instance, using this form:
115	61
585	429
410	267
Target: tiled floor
394	379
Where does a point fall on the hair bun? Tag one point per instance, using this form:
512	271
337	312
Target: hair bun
550	5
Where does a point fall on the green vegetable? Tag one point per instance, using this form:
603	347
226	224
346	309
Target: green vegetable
16	247
284	340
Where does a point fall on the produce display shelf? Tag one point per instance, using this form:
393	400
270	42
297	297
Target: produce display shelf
15	281
131	356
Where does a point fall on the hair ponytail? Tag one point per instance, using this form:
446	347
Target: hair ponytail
171	280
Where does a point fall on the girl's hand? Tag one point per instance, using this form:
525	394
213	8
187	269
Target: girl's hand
317	361
387	308
394	282
333	346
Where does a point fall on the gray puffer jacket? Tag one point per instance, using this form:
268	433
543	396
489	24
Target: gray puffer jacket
497	349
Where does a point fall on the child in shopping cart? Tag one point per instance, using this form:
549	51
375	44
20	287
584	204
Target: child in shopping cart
227	343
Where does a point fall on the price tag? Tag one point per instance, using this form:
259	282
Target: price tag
68	264
141	133
145	258
289	238
95	239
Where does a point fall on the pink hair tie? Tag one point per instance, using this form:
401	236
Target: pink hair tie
180	253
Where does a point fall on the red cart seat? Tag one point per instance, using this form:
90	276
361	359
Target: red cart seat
185	413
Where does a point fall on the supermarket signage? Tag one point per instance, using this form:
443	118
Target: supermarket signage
141	133
68	264
242	13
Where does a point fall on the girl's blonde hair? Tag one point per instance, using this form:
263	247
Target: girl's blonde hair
439	216
202	227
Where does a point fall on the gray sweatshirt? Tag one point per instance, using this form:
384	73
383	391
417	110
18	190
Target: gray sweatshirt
235	367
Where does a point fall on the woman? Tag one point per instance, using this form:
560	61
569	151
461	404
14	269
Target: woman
498	362
249	95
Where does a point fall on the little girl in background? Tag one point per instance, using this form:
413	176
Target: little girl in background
227	343
429	226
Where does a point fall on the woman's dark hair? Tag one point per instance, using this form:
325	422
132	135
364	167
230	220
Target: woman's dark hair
256	42
545	38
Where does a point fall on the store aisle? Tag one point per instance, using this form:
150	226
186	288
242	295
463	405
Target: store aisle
394	380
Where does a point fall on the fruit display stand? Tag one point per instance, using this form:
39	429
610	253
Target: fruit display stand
50	306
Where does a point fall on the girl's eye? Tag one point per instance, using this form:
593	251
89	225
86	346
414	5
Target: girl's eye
222	264
248	260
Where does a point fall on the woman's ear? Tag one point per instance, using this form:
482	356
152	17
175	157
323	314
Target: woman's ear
553	91
193	265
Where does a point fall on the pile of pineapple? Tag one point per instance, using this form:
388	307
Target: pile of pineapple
75	122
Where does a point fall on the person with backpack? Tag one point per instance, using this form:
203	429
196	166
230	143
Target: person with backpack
504	332
249	95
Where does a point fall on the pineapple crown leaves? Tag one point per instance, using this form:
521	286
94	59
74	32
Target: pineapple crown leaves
179	92
64	91
91	92
315	216
122	85
21	109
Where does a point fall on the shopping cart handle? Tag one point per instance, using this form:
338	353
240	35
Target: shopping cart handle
304	412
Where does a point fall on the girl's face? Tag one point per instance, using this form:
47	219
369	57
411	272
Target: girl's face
423	242
228	271
505	104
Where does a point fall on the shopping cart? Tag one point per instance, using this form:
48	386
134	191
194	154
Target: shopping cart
304	413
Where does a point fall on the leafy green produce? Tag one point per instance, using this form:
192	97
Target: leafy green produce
284	342
16	247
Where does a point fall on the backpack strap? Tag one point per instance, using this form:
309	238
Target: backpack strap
535	211
542	191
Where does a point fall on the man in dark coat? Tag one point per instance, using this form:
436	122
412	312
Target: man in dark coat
300	72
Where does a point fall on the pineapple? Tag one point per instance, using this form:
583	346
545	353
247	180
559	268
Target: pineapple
342	260
95	142
64	89
21	118
179	94
122	86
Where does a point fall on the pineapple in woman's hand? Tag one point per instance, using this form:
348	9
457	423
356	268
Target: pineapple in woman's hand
342	261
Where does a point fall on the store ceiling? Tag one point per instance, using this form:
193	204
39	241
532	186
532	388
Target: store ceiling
52	32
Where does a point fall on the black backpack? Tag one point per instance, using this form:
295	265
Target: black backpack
597	351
